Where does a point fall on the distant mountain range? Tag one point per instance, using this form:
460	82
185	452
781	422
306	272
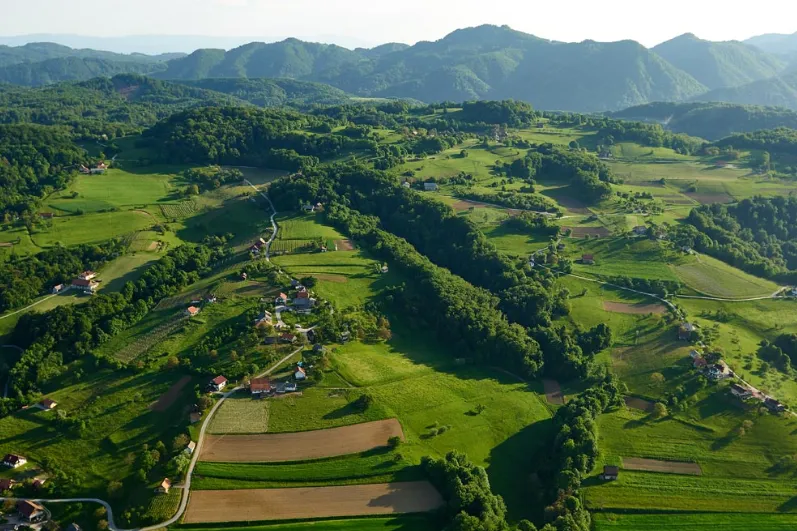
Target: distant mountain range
486	62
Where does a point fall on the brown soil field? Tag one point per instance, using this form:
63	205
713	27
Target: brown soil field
301	445
580	232
667	467
674	199
168	398
464	204
344	245
638	403
707	199
153	246
6	244
634	309
553	392
251	505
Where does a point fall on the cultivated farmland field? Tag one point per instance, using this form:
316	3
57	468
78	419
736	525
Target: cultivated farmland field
254	505
240	414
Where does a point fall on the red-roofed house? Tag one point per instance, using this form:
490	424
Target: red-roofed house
700	363
259	386
48	404
87	275
86	286
300	374
165	485
218	383
7	484
29	510
192	311
287	338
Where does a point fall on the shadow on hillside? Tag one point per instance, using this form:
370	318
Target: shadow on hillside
514	466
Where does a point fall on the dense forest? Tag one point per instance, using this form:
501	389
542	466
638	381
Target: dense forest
757	235
34	161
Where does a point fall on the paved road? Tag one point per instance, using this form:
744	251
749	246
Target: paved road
189	473
273	223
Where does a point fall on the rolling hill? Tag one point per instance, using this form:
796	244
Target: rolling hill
776	43
719	64
780	91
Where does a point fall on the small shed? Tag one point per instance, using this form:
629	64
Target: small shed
165	485
610	473
588	259
189	449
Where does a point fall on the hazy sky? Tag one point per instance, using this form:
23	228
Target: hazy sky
379	21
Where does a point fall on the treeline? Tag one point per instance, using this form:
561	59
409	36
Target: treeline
782	352
53	339
466	317
779	140
589	178
757	235
646	134
22	279
212	177
519	201
451	242
246	136
34	161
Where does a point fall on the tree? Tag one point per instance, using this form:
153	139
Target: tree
394	442
114	489
191	189
574	145
180	442
309	282
102	525
659	410
657	378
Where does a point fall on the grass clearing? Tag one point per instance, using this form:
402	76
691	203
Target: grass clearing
241	414
92	228
693	522
715	278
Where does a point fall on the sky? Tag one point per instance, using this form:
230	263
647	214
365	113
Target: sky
372	22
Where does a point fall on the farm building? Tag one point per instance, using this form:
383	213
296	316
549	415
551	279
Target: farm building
86	286
685	331
430	187
588	259
345	336
7	484
700	363
48	404
14	461
718	371
610	473
87	275
774	405
263	319
259	387
290	387
165	485
300	374
39	483
304	300
30	511
57	289
288	338
190	447
640	230
218	383
192	311
740	391
46	215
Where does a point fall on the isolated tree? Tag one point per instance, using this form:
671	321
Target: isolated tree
659	410
180	442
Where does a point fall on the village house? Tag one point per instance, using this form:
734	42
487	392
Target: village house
405	184
280	388
588	259
259	387
87	275
540	125
774	405
281	299
86	286
300	374
30	511
610	473
308	207
295	283
718	371
291	387
303	300
46	215
38	483
14	461
740	391
384	269
288	338
211	299
7	484
190	447
685	331
270	340
218	383
48	404
192	311
264	319
345	336
700	363
641	230
430	187
164	487
686	249
57	289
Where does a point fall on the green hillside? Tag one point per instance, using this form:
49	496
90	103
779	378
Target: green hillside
71	69
779	91
719	64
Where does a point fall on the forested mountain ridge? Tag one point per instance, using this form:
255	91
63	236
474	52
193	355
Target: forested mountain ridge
779	91
62	69
710	120
487	62
719	64
41	51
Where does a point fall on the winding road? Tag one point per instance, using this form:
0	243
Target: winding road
273	223
186	487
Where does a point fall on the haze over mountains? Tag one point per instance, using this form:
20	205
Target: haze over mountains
486	62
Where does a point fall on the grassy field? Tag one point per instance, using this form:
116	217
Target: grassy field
92	228
318	409
694	522
241	414
709	276
371	467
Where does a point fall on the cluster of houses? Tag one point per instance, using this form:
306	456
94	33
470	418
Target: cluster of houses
744	392
264	387
713	371
96	169
85	282
258	246
310	207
